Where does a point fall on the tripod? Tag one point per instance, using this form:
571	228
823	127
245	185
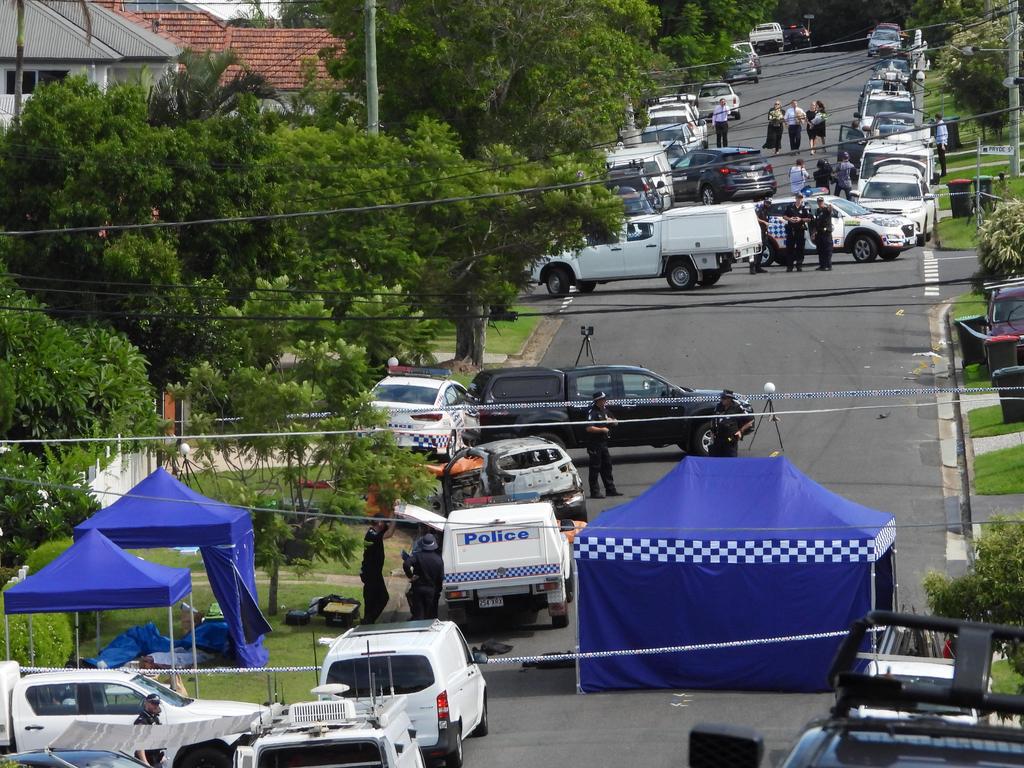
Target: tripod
769	411
585	346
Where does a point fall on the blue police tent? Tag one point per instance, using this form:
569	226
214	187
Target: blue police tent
724	550
162	512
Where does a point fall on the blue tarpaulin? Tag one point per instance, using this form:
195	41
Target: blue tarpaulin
162	512
724	550
96	575
145	639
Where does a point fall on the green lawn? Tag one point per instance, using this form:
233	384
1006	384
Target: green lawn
969	304
958	234
988	421
503	337
1000	472
1004	679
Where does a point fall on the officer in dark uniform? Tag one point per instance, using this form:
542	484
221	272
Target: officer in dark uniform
597	447
426	571
731	423
762	211
797	216
150	715
371	571
822	228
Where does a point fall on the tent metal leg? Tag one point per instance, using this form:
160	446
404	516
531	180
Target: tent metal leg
874	635
895	581
195	659
78	654
31	643
7	635
170	632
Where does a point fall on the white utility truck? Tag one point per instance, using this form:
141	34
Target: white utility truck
686	246
767	37
36	709
503	556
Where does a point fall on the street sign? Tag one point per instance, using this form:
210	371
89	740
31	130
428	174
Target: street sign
1004	149
808	15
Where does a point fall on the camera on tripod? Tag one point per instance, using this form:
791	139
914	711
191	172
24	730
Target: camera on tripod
586	330
586	347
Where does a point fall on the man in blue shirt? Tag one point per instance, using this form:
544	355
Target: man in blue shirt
941	140
720	119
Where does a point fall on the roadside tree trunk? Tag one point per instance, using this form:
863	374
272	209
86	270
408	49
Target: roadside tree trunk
471	335
275	572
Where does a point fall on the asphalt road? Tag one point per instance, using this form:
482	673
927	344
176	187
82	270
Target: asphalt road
860	326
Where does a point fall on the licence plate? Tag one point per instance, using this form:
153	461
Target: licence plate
492	602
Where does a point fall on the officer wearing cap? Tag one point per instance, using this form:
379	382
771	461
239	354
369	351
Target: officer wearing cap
425	570
150	715
763	212
731	423
598	432
797	216
823	235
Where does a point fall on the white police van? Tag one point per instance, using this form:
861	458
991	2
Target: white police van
503	556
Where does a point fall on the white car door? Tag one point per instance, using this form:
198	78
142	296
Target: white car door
602	260
51	708
641	252
469	682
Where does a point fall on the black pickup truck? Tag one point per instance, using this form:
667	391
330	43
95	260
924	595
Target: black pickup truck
556	396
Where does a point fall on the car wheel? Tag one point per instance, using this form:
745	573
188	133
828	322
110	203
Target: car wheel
586	286
681	276
558	281
707	195
709	277
560	622
551	437
769	255
700	442
755	81
863	248
454	758
483	727
204	757
920	240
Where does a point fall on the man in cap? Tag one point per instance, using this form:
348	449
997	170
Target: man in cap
731	423
598	432
371	571
763	212
425	569
823	235
797	217
150	715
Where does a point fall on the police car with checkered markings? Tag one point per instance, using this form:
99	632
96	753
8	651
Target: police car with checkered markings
855	230
427	412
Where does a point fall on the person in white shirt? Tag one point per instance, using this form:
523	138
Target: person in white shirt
795	118
720	119
941	140
797	177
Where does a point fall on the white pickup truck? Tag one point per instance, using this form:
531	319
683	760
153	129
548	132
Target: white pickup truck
36	709
503	556
767	37
686	246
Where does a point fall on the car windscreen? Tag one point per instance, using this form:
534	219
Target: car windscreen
872	160
672	132
361	752
849	207
404	393
891	190
166	694
1006	310
886	36
635	203
406	673
82	758
926	748
716	91
874	106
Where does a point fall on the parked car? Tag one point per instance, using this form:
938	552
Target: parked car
884	41
744	48
676	138
795	36
78	758
1005	315
651	160
883	101
415	399
927	673
711	93
882	153
635	203
724	173
740	71
515	467
681	108
900	126
855	230
634	178
767	37
555	395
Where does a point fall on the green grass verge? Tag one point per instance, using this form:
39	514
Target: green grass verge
969	304
975	375
503	337
1000	472
1004	679
988	422
958	234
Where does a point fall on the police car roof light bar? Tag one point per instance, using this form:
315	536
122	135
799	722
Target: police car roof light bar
411	370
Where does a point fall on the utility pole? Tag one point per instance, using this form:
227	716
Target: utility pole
370	31
1014	72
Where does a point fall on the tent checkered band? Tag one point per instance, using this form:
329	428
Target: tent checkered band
502	573
747	552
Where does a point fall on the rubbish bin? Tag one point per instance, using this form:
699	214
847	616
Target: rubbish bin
953	129
961	201
1011	400
987	201
1001	352
971	335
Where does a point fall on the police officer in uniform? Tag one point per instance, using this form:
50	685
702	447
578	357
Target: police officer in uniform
150	715
597	447
797	216
823	235
371	571
731	423
426	571
762	211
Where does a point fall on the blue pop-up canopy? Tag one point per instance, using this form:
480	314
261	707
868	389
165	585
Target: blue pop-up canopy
96	575
726	550
162	512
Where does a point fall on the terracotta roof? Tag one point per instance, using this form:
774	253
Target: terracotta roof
277	54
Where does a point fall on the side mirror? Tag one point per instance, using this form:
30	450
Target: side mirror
479	657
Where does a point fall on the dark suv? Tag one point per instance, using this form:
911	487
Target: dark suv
795	36
727	173
891	721
513	400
